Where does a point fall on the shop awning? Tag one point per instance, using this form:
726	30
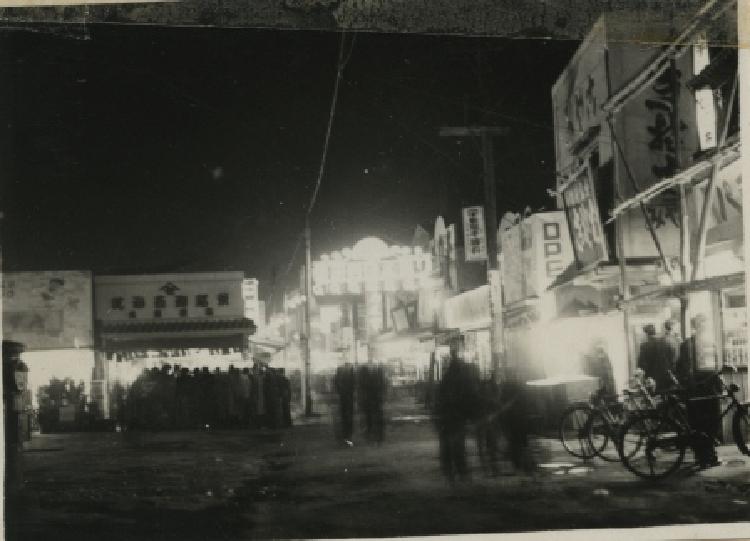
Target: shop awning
181	325
118	336
698	172
677	290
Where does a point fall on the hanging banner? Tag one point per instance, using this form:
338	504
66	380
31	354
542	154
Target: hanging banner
475	237
584	220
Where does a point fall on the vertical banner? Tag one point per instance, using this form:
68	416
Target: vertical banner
475	235
584	220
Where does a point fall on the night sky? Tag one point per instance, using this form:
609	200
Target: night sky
149	149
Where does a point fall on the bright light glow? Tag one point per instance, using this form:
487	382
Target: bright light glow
60	364
370	248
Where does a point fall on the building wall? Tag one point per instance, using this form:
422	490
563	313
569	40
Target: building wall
107	288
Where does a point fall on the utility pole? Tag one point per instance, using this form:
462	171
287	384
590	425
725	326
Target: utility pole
486	133
307	398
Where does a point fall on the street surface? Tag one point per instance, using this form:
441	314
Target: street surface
302	483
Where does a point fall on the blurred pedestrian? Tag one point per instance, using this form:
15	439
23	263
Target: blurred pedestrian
514	418
702	388
487	425
656	359
285	391
454	409
344	384
597	364
374	397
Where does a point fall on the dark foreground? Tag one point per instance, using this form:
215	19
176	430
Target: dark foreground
300	483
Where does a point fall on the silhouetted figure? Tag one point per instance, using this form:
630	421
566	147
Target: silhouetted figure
514	420
454	409
487	425
285	391
596	363
656	359
344	384
701	384
246	393
373	396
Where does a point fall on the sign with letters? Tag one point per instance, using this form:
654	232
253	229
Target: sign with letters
475	237
584	220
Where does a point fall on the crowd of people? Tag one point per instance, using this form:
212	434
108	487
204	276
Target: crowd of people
176	398
464	400
369	383
665	358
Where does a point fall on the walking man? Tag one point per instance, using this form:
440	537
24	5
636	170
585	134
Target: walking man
453	411
344	384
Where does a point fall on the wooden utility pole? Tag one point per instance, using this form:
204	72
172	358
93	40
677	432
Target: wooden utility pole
306	395
490	217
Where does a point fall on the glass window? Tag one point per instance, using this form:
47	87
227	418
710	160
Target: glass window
117	303
201	301
181	301
223	299
139	302
160	301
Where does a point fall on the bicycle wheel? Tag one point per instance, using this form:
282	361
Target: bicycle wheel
603	436
653	446
740	425
574	430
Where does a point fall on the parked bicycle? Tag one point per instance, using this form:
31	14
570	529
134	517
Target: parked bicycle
594	428
655	440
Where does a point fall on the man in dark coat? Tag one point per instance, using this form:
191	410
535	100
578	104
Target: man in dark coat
656	359
703	406
455	407
344	384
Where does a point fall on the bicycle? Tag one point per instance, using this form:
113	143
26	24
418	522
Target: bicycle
664	433
587	428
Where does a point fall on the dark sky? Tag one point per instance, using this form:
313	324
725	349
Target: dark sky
161	149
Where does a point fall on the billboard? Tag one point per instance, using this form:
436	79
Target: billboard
48	309
535	252
577	97
656	130
475	238
584	220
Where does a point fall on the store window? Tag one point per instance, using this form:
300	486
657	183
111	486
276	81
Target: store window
734	327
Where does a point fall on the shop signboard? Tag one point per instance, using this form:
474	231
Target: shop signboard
475	238
577	97
48	309
512	267
584	220
656	131
469	310
724	219
535	252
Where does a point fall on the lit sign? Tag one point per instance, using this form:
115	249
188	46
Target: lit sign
386	269
475	239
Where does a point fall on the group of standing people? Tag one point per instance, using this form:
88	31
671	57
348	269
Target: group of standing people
463	400
176	398
665	356
369	384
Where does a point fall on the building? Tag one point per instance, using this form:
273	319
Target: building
647	152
